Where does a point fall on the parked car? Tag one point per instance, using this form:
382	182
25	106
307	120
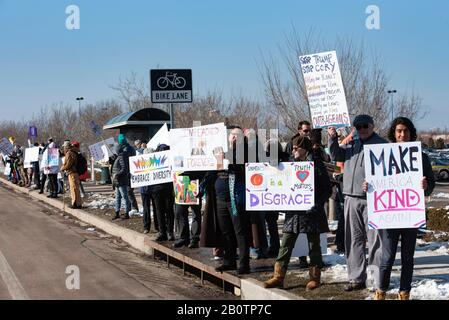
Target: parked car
440	168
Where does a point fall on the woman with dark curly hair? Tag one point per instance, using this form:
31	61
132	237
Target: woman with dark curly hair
402	130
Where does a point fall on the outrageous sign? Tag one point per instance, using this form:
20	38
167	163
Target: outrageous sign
289	186
186	190
199	148
150	169
395	197
325	92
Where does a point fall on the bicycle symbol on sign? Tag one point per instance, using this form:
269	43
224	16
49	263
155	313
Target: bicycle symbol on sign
173	79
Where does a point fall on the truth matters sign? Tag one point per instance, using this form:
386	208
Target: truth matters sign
325	92
288	186
395	197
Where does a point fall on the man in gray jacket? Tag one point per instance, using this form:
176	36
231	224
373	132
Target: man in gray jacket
355	205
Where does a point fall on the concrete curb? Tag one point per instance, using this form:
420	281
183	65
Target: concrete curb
250	289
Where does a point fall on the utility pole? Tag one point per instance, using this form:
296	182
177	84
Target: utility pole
392	104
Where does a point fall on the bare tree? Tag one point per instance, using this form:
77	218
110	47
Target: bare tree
364	79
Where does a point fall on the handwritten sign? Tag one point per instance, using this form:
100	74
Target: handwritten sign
289	186
6	146
395	197
150	169
161	137
199	148
101	151
185	189
324	86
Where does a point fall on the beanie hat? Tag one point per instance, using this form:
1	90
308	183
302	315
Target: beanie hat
121	138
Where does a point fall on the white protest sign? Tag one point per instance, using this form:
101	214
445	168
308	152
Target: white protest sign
6	146
301	248
395	198
150	169
325	91
7	169
31	154
102	150
199	148
289	186
161	137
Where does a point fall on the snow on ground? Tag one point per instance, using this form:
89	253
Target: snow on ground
436	247
441	195
333	225
101	201
427	289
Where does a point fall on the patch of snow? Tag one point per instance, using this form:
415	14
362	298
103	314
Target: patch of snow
442	195
427	289
90	229
333	225
436	246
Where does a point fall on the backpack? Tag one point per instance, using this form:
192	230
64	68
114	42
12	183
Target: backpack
81	164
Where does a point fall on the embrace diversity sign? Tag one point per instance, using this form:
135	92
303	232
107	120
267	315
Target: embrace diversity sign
289	186
395	197
325	91
150	169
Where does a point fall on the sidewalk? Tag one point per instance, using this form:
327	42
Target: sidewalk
431	277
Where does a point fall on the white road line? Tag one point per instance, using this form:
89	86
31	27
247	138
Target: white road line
15	289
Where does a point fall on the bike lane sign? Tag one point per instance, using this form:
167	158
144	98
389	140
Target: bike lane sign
171	85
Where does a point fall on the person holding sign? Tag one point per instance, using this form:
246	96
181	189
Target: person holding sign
313	222
355	206
401	130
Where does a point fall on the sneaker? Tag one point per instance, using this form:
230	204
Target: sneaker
117	216
354	286
226	267
180	243
146	231
194	245
161	237
133	211
303	264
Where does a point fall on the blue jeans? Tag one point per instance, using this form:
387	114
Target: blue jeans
122	192
390	246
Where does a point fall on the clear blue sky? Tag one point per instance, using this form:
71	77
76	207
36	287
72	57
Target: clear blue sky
221	41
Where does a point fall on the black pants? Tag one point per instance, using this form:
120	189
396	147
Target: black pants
182	214
53	183
132	199
147	203
390	246
165	212
258	230
43	180
271	219
236	232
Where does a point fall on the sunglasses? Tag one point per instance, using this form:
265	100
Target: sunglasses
360	126
305	131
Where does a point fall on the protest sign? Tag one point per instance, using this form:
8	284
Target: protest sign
289	186
185	189
325	91
161	137
200	148
395	197
7	169
101	151
50	158
6	146
32	154
150	169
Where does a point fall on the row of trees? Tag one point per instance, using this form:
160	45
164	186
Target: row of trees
285	103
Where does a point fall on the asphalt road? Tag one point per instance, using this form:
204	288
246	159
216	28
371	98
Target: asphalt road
41	251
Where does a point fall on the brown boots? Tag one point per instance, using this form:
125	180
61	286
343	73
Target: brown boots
277	281
404	295
315	278
380	295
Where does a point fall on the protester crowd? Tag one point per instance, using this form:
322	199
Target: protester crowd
220	220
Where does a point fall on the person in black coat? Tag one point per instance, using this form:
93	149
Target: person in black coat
313	222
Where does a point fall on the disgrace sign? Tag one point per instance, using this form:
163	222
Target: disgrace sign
150	169
289	186
199	148
395	197
185	189
325	92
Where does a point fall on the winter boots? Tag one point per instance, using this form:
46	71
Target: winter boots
379	295
277	281
315	278
404	295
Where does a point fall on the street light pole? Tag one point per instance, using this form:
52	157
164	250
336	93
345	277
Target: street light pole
392	104
79	102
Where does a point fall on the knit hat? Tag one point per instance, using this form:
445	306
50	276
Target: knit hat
121	138
363	119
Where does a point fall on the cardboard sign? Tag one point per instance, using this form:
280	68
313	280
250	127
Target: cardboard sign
325	92
150	169
199	148
161	137
101	151
185	189
289	186
7	169
395	197
6	146
31	154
